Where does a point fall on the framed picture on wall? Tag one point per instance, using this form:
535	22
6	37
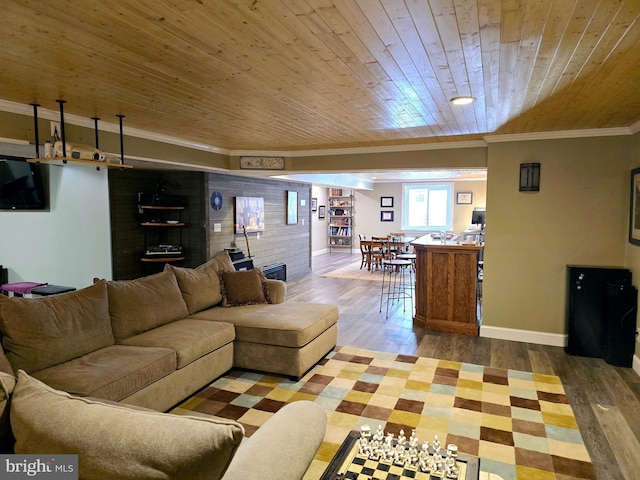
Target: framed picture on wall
292	207
386	202
321	211
634	208
314	204
249	214
386	216
464	198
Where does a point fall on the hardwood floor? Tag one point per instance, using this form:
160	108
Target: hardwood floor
605	399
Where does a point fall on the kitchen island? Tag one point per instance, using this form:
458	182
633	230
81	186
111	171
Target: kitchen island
446	285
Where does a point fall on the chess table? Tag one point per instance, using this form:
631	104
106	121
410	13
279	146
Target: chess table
348	464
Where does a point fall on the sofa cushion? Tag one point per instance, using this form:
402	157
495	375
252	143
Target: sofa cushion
116	441
112	373
42	332
142	304
246	287
190	338
200	288
289	324
219	263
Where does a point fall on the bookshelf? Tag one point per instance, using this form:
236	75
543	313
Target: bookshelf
340	234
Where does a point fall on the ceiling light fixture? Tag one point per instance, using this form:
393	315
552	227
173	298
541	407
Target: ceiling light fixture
462	100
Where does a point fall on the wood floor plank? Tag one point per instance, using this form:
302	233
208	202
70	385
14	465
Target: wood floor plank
623	442
540	362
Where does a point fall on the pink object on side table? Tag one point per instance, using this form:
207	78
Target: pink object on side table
21	288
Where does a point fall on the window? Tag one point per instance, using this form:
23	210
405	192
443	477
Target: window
427	207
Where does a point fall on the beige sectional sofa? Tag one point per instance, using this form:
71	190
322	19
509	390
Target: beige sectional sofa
153	341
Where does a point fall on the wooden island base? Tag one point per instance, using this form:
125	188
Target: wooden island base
446	276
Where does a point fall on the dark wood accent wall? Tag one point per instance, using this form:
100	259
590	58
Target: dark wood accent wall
127	236
279	243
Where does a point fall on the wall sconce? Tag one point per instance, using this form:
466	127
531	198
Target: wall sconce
529	177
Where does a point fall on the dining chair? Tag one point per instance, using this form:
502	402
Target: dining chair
365	251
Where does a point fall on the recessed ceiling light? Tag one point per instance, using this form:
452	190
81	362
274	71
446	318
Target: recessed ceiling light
462	100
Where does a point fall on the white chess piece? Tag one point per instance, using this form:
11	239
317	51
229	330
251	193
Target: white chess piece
413	440
401	438
363	445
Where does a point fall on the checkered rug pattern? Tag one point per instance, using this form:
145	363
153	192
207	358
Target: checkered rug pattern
519	424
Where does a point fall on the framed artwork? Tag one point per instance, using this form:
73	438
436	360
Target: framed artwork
386	216
249	214
386	202
314	204
321	211
464	198
634	208
292	207
262	163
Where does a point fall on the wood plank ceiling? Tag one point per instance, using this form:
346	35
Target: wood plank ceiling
305	74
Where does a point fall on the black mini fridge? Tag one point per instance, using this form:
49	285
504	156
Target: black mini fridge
601	313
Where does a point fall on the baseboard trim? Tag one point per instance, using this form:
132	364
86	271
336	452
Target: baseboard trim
636	364
528	336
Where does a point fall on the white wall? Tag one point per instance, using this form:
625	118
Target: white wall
319	227
70	243
367	207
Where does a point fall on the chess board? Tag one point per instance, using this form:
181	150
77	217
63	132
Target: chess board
348	464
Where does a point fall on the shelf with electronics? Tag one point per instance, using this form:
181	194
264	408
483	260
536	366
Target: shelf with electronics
161	218
340	233
60	153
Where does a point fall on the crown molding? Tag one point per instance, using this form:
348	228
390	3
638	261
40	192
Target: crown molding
560	134
358	150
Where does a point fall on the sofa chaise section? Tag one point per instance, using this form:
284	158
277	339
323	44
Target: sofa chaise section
272	334
287	338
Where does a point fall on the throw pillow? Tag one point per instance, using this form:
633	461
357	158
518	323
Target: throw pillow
116	441
42	332
245	287
220	263
200	288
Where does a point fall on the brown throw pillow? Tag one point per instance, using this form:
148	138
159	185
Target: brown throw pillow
246	287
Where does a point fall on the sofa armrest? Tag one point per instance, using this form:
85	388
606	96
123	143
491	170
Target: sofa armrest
283	447
277	290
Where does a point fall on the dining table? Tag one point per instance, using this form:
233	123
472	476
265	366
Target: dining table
373	248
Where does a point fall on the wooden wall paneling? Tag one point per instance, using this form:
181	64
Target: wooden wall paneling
289	244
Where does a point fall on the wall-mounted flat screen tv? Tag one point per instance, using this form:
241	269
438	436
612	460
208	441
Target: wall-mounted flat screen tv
21	185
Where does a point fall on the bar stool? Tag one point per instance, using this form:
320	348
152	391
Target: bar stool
394	281
408	255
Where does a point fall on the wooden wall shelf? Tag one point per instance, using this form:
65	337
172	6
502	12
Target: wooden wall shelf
161	224
61	161
161	259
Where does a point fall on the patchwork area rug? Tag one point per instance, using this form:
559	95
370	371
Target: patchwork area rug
354	272
520	424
